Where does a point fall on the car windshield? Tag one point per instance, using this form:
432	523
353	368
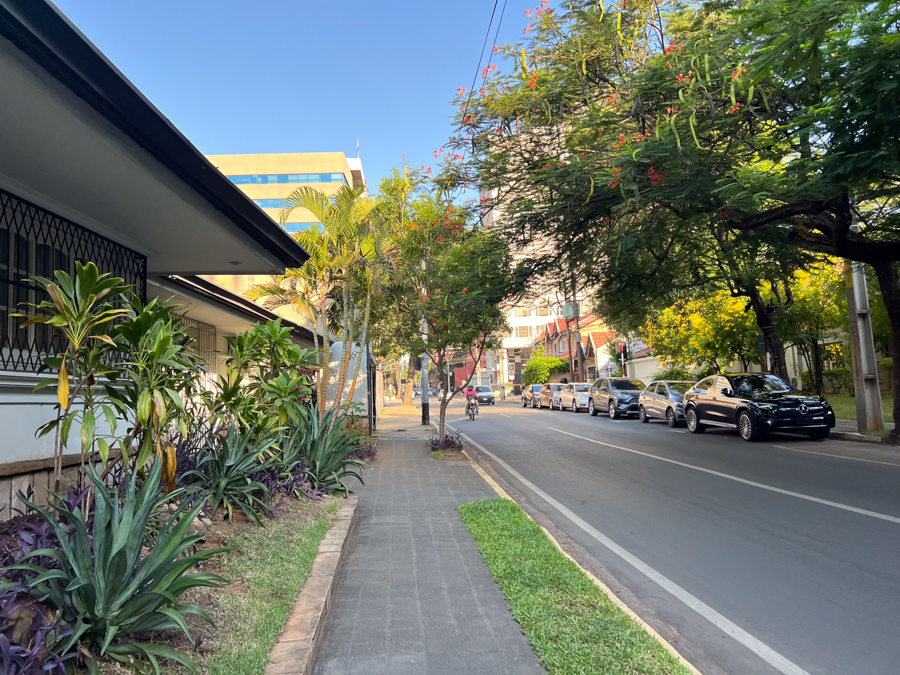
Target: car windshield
556	387
582	387
627	385
749	385
680	387
483	389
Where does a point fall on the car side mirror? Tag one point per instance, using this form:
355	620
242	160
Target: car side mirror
726	391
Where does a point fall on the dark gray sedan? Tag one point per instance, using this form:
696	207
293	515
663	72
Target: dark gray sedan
664	400
617	396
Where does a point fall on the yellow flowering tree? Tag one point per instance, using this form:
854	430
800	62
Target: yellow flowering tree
714	331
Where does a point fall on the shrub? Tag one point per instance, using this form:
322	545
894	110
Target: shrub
673	373
326	447
540	368
102	585
450	442
367	451
224	470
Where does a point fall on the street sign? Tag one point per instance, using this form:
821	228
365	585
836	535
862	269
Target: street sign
761	344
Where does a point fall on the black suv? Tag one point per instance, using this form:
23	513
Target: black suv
615	395
754	403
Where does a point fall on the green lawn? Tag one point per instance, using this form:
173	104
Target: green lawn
573	626
266	571
845	406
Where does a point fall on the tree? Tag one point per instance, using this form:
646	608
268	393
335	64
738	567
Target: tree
714	331
771	120
464	289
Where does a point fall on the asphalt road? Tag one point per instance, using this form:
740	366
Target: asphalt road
781	556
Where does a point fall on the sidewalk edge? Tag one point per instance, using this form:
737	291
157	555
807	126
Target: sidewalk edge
597	582
295	649
858	438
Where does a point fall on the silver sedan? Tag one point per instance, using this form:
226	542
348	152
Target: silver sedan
664	400
574	396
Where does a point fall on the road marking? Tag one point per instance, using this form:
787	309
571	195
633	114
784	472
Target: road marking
502	415
677	431
769	655
825	454
872	514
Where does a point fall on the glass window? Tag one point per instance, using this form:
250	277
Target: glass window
522	311
269	203
722	383
627	385
749	385
679	387
543	311
269	179
582	387
703	385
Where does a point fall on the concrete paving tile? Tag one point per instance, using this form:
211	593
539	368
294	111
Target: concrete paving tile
414	595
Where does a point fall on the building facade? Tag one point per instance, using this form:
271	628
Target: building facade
91	171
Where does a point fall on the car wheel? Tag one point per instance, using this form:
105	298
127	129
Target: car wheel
748	427
524	402
819	434
591	408
613	410
574	406
671	419
642	415
693	422
534	403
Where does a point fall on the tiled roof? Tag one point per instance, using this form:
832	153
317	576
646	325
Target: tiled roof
600	338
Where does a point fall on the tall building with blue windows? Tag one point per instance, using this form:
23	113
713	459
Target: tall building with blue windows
269	179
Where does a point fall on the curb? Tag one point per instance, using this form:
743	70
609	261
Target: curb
295	649
597	582
858	438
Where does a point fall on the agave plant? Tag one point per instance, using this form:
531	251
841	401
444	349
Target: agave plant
326	450
226	466
102	585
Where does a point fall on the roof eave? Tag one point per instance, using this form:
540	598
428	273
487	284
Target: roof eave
41	31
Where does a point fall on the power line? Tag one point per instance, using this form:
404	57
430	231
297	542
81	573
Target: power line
487	36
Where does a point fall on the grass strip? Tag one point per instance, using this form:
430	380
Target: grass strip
573	626
266	571
845	406
437	455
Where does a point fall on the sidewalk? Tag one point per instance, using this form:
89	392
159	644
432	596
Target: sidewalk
413	594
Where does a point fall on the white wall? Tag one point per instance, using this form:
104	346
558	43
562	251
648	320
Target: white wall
21	413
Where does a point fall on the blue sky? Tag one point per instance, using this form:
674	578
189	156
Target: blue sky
298	75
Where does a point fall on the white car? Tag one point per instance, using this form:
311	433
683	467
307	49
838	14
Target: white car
574	396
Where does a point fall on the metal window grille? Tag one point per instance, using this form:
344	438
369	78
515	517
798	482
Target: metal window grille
36	242
203	344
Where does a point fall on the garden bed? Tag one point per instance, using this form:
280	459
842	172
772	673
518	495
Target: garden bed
266	568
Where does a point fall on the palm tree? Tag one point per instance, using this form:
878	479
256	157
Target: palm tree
307	290
348	258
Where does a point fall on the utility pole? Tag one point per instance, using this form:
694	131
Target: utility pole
869	414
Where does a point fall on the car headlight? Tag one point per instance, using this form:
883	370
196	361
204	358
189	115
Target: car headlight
582	398
768	408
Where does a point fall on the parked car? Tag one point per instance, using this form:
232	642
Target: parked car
754	403
615	395
548	396
416	392
485	395
530	395
574	396
663	400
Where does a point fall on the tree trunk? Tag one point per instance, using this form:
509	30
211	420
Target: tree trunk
362	343
889	282
407	392
766	324
348	344
322	393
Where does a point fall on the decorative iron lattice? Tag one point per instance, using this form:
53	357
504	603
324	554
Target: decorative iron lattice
203	344
36	242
